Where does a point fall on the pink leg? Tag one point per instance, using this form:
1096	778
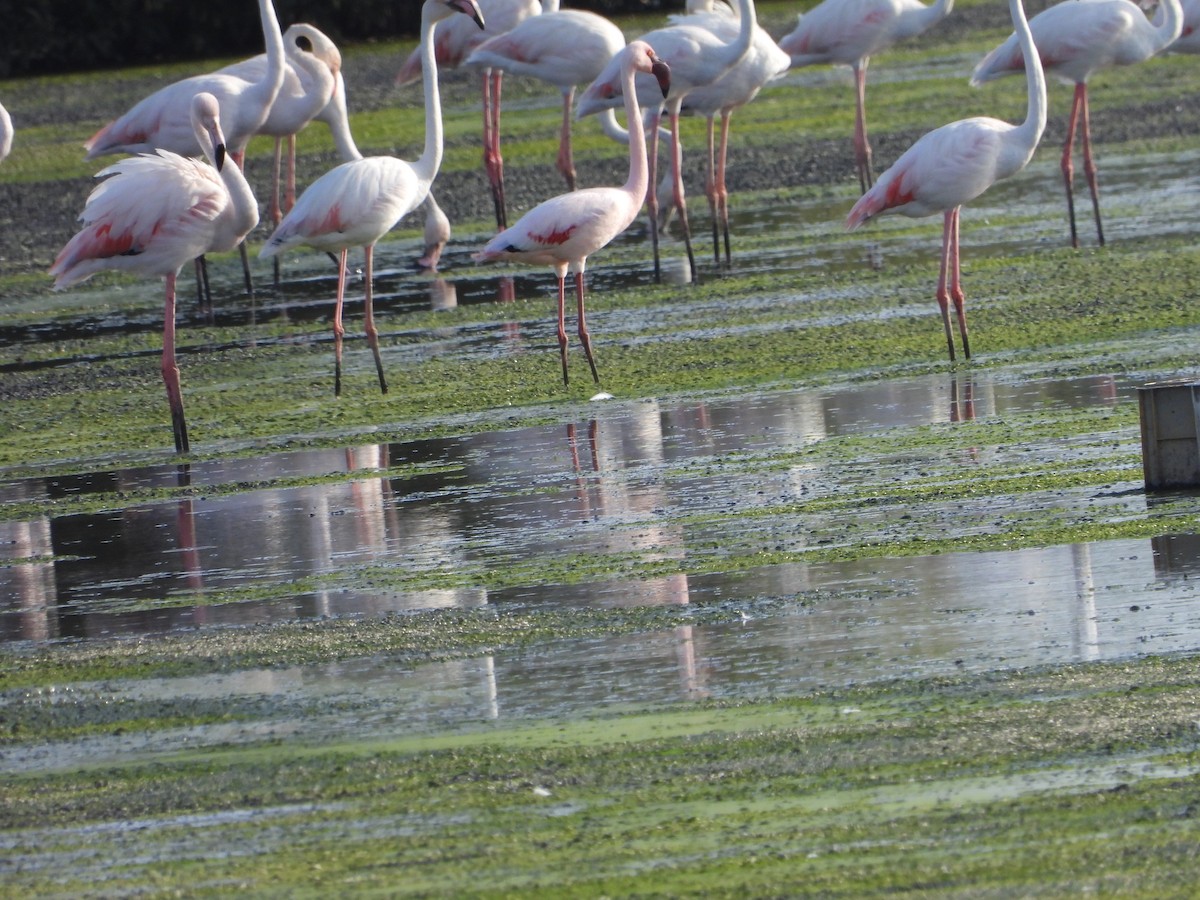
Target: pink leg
722	191
493	163
276	178
956	291
566	160
710	190
651	192
680	200
1068	168
561	272
338	330
170	370
1089	165
862	147
584	338
289	197
943	293
369	316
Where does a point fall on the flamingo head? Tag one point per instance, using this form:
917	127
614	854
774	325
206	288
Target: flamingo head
310	39
206	117
447	7
641	55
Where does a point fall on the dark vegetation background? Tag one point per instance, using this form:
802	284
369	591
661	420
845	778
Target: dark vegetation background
50	36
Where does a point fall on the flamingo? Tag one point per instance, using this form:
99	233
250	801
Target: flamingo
455	42
953	165
763	62
156	212
312	68
566	48
1074	40
564	230
358	202
161	121
849	33
697	56
6	133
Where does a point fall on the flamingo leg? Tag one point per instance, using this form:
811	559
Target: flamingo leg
369	316
651	193
493	163
943	294
275	211
584	338
203	290
561	272
956	291
338	330
170	370
1089	165
710	190
862	147
289	196
1068	167
722	190
680	200
566	159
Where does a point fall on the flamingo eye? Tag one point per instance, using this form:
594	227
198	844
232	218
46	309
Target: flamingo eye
304	44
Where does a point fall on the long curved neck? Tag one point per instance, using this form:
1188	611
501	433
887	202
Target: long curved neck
336	116
746	22
1168	24
427	165
1035	119
639	165
924	19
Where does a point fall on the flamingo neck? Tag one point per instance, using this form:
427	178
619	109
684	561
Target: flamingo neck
1168	23
276	55
430	160
925	18
747	21
338	119
1035	78
639	164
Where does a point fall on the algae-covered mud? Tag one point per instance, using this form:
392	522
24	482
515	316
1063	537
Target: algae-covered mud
787	604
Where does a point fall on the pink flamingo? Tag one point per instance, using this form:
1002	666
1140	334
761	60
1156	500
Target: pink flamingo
697	56
763	62
1189	34
563	47
1074	40
953	165
455	43
849	33
161	121
358	202
564	230
155	213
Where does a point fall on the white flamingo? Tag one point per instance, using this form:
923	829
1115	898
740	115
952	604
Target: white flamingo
564	230
156	212
849	33
6	133
455	42
1075	39
358	202
697	56
953	165
566	48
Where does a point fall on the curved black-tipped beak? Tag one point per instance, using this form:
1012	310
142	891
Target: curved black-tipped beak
220	156
470	8
662	73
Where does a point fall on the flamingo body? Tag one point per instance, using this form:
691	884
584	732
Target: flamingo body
564	230
953	165
1189	33
6	133
161	120
155	212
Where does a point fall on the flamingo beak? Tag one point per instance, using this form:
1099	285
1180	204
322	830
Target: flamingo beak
220	156
662	74
470	8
